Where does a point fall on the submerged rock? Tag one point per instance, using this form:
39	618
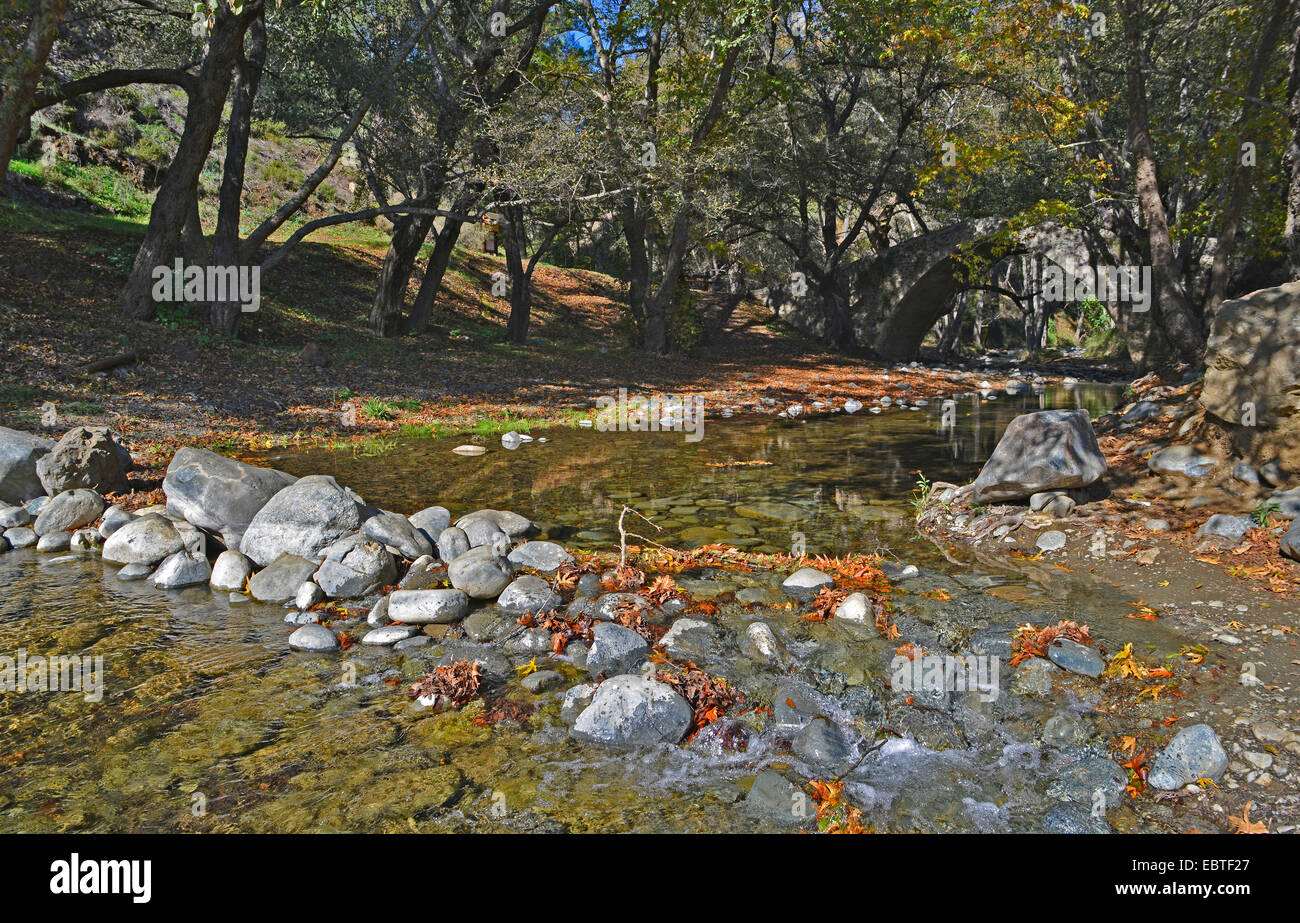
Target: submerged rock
629	711
1194	753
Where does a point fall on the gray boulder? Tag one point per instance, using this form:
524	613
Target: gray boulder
69	510
1290	542
481	573
630	711
314	639
181	569
21	537
1181	460
86	456
432	607
531	594
303	519
54	541
13	516
615	649
1252	357
543	556
218	493
431	521
1046	450
279	581
452	543
19	453
230	572
1225	526
1194	753
805	583
355	566
396	532
144	540
512	524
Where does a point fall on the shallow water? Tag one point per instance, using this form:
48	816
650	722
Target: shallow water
208	722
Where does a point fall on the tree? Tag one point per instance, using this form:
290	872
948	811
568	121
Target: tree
23	73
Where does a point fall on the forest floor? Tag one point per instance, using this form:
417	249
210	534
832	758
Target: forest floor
60	272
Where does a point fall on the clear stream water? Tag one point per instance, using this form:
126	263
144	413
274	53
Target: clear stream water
208	722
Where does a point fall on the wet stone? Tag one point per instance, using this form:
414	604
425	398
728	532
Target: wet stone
1194	753
1075	657
1073	818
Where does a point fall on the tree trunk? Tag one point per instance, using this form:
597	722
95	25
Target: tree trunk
1173	326
225	315
1218	284
24	73
179	187
444	245
515	240
638	268
1293	154
409	232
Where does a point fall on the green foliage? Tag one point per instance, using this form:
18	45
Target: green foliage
282	172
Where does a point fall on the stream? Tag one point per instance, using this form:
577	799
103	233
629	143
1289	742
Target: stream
208	722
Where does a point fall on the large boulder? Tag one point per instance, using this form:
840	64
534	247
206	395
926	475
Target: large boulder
280	581
397	532
303	519
1253	357
68	511
86	456
629	711
145	540
1046	450
355	566
219	493
480	573
19	453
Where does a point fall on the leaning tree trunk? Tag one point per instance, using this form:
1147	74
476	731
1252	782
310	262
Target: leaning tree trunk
444	245
409	232
225	315
1173	324
24	73
179	187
